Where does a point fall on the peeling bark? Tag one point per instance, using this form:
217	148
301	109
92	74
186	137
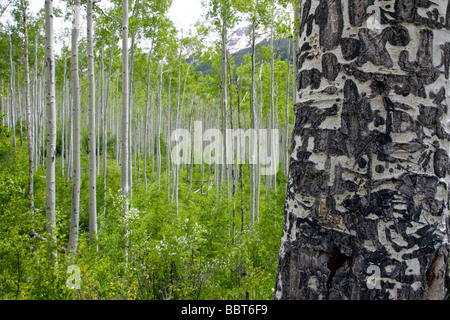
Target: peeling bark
366	211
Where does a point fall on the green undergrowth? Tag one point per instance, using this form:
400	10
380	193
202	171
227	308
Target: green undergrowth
150	252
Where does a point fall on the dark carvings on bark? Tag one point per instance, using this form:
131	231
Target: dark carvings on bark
369	170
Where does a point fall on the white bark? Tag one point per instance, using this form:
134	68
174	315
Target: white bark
125	110
51	132
91	134
28	111
76	119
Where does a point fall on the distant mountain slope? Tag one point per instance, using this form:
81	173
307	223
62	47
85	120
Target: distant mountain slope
280	50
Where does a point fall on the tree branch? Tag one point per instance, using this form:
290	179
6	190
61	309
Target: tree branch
2	10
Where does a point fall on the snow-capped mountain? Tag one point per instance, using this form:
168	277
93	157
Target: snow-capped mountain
240	39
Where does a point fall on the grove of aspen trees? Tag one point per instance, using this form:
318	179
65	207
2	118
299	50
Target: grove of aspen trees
96	98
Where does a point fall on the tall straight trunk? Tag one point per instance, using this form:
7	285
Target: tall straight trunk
147	110
225	168
253	125
105	132
64	122
12	91
286	127
125	111
366	212
35	107
176	167
168	142
130	114
269	178
91	134
295	43
28	111
158	125
99	112
232	170
19	99
76	120
51	132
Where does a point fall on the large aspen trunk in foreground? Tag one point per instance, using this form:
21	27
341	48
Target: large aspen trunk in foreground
366	212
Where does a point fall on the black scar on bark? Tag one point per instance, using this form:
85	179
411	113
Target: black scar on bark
373	49
429	117
309	78
330	66
441	163
357	11
438	97
406	11
397	35
330	32
447	17
446	57
351	48
305	16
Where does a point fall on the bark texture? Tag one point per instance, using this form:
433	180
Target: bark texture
366	211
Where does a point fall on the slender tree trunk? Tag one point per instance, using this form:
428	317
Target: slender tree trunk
225	168
12	91
51	133
105	131
253	125
91	134
76	120
64	121
19	99
168	140
158	125
366	212
125	166
147	110
295	46
286	128
28	111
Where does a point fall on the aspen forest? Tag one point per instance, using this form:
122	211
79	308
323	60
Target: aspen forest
264	150
88	186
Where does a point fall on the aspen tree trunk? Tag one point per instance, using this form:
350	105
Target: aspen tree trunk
295	46
286	128
125	117
105	132
147	110
12	92
34	105
224	103
253	125
158	125
91	134
366	211
28	111
76	120
19	99
125	166
232	170
240	172
176	167
64	121
269	178
98	112
51	133
168	140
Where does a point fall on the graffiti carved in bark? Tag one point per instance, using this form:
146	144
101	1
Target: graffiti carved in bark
366	212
